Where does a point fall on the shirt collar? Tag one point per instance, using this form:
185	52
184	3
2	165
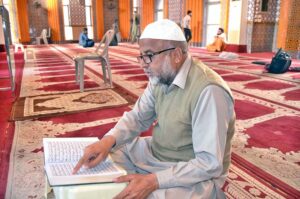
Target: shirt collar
182	74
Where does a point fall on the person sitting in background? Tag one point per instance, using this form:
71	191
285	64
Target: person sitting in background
192	110
84	40
219	43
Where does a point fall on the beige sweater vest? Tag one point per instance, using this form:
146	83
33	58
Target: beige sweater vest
172	135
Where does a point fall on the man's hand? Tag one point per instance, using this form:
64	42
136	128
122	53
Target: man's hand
95	153
140	186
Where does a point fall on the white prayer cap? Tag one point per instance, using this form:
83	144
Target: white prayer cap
164	29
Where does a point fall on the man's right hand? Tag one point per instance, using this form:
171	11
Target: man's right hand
95	153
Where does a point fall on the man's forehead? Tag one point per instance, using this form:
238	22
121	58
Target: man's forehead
151	44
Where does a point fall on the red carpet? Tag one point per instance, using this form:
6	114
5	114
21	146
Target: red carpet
6	128
131	72
222	72
123	67
292	95
282	132
68	72
264	55
232	63
268	85
67	86
246	110
252	67
52	64
244	62
266	144
58	79
138	78
236	78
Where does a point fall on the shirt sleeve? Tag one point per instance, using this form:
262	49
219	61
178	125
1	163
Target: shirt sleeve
210	121
139	119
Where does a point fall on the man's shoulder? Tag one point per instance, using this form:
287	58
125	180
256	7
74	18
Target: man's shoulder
198	64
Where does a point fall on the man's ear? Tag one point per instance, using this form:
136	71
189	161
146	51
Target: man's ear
177	55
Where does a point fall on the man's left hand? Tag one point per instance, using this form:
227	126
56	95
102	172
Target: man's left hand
140	186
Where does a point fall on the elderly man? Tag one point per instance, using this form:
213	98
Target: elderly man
191	109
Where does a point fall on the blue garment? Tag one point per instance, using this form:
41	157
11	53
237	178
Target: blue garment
85	41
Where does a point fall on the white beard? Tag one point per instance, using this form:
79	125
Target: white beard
168	73
166	76
154	80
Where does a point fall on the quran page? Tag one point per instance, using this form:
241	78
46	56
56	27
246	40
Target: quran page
65	149
61	156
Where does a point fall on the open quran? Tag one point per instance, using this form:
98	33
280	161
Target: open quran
62	154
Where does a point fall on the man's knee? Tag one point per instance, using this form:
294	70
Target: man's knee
122	160
202	190
90	43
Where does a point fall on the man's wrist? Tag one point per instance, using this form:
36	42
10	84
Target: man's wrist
109	140
165	179
154	181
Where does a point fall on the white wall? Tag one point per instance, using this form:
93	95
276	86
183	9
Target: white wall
243	25
234	22
237	23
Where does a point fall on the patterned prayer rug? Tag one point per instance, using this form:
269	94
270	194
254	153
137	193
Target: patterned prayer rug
47	71
49	88
55	104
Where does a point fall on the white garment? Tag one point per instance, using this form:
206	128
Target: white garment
186	22
228	55
198	178
222	36
137	157
163	29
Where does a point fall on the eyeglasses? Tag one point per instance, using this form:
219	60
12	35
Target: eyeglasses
147	58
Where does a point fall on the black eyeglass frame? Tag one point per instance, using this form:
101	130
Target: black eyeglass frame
150	55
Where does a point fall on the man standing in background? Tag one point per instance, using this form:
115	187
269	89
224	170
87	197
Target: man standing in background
186	25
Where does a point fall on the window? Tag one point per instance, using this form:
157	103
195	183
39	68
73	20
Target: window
264	5
66	13
213	18
67	19
135	6
88	17
5	3
159	9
